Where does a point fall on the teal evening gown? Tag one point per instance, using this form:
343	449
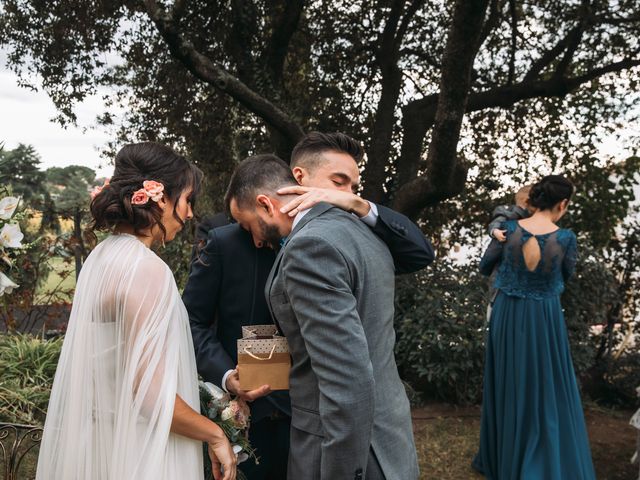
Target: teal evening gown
532	425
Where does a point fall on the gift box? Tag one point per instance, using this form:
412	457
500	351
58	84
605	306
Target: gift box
263	358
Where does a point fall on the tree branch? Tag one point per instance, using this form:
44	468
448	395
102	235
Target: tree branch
211	73
574	40
178	9
384	56
406	20
282	33
445	175
422	55
243	30
420	115
514	38
569	42
550	55
495	15
375	176
604	20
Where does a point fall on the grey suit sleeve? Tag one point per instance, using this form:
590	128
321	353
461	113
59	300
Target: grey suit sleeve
318	282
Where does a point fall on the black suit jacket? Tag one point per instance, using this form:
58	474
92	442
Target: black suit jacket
225	291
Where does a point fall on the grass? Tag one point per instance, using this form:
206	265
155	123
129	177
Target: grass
447	439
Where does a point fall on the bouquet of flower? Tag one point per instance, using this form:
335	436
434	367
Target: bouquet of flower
230	415
10	239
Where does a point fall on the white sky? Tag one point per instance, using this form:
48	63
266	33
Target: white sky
25	117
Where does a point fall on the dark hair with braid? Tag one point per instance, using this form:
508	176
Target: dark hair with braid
134	164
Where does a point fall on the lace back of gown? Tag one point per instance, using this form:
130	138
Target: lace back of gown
534	279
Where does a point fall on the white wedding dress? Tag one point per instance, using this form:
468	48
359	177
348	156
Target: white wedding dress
126	353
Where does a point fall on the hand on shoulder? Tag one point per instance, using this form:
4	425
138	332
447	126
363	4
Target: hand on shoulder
308	197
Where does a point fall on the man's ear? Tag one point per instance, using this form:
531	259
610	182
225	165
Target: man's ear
264	203
299	174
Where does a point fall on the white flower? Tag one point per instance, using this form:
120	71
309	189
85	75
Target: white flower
8	205
242	456
227	414
217	394
6	284
11	236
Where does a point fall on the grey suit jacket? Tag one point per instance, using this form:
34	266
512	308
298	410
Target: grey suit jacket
331	291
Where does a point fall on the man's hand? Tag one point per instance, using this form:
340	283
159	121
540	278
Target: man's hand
233	386
310	196
499	234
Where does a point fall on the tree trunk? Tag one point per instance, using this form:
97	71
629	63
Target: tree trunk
446	175
378	156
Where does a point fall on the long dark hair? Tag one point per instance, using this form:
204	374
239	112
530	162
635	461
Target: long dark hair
134	164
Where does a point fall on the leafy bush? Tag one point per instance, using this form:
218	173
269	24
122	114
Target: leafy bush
27	369
587	300
441	326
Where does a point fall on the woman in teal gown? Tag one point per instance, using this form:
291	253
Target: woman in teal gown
532	425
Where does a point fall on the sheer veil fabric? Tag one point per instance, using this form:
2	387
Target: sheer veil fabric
126	353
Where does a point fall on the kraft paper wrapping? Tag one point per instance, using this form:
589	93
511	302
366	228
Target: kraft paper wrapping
263	358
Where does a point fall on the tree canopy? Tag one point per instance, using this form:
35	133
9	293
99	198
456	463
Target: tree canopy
20	168
441	93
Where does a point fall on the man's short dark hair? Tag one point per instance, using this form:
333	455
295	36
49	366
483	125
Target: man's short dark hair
261	174
308	152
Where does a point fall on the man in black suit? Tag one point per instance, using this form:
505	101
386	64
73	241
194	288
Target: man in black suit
225	289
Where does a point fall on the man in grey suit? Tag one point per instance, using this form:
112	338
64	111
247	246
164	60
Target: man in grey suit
331	292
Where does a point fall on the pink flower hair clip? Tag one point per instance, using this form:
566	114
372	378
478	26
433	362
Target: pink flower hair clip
96	190
150	190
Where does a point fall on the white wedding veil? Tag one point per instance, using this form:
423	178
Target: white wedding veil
127	352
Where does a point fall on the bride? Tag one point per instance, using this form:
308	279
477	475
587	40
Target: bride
125	401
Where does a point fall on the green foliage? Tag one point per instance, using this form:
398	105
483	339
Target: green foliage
69	187
27	369
330	71
587	300
177	254
440	324
50	221
622	378
20	169
604	193
35	300
62	175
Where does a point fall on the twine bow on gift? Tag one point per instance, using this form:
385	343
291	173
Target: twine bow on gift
246	350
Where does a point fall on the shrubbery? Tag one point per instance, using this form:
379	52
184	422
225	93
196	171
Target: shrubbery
27	367
441	325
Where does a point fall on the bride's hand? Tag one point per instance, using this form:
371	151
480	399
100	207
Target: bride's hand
221	455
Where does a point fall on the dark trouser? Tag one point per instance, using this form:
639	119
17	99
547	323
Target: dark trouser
269	436
374	471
